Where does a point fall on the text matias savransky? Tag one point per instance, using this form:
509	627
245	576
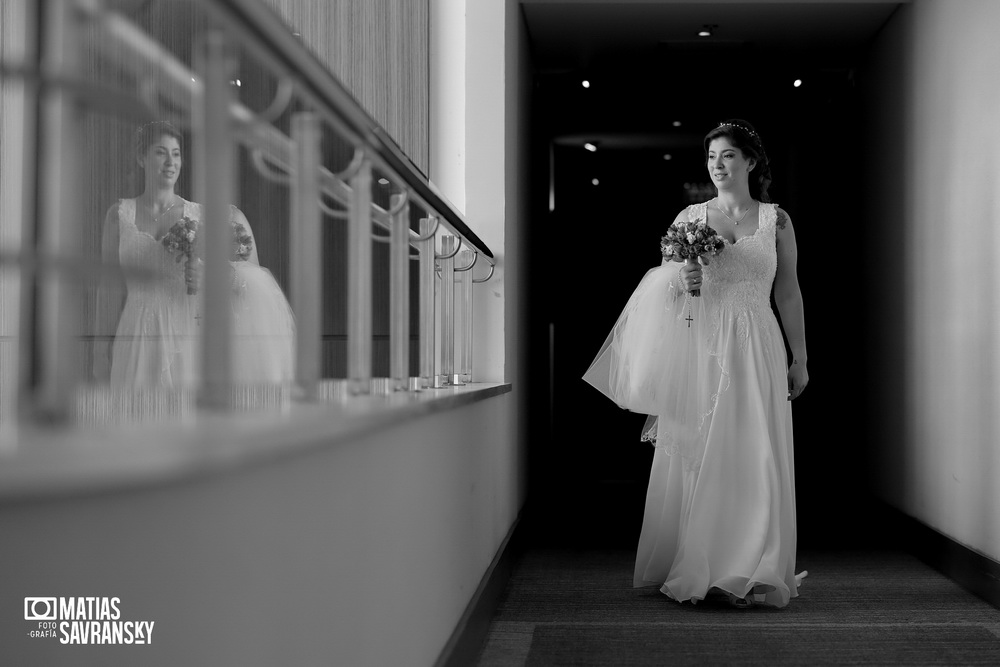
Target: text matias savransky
85	620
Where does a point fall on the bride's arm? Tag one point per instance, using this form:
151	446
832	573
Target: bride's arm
110	297
788	298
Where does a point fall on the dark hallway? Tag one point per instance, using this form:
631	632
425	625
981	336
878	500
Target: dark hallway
654	91
812	78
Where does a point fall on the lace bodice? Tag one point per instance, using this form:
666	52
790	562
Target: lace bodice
740	277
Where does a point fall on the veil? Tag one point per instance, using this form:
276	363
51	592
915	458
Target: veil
662	359
264	328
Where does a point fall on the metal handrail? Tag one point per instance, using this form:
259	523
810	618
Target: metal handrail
262	137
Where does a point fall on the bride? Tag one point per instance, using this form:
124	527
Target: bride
157	334
712	373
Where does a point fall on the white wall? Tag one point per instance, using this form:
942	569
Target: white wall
447	99
486	141
468	139
480	158
358	553
937	152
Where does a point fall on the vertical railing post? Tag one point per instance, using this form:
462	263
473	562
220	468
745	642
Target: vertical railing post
464	324
359	281
214	146
53	372
399	292
448	246
426	273
306	254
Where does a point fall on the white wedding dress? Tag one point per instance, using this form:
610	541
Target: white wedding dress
157	342
720	506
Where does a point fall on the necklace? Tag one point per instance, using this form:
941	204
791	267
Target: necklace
735	222
157	218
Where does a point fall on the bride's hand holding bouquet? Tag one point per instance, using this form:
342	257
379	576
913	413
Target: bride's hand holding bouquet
691	240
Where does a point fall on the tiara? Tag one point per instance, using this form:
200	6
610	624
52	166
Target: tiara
742	127
139	130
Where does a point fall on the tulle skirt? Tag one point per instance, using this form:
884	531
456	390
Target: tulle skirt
264	329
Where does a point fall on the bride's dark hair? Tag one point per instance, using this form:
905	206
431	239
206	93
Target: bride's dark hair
742	135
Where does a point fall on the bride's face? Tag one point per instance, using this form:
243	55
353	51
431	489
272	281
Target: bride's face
726	164
162	162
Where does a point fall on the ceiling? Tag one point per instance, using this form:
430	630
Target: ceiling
572	35
648	67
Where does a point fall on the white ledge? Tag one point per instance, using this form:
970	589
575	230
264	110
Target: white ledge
42	463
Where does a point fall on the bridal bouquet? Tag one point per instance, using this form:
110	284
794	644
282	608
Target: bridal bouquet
690	240
180	240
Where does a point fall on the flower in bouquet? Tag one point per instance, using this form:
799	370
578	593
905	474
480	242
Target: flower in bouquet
690	239
180	241
242	242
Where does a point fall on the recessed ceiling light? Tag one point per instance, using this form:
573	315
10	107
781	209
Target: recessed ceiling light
586	84
797	83
668	156
677	123
595	182
590	147
383	181
707	30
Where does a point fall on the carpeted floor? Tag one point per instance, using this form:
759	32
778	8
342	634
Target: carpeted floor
578	607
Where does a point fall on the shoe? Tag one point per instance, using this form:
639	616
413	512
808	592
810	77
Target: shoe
739	603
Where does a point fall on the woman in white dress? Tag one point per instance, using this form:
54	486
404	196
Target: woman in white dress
156	340
713	374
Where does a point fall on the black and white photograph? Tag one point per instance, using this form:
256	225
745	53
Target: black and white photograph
499	333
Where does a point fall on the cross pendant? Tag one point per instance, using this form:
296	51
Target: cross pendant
689	319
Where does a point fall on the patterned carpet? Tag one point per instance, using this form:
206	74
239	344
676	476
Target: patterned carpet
578	607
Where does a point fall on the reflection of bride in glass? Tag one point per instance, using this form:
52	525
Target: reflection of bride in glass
156	342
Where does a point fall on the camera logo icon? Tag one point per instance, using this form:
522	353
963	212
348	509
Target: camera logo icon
40	609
